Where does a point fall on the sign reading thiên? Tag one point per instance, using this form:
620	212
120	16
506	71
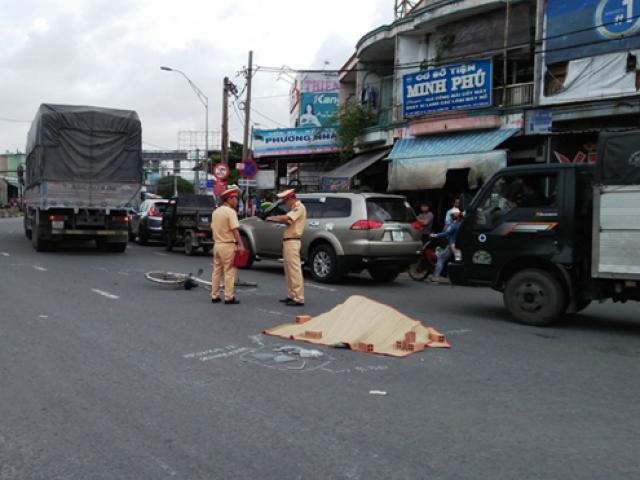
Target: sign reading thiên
450	87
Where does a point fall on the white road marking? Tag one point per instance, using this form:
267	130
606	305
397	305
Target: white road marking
457	332
320	287
166	467
108	295
5	254
39	268
43	316
162	254
271	312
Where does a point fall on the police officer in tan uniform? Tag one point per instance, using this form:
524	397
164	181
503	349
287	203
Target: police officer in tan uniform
226	236
291	243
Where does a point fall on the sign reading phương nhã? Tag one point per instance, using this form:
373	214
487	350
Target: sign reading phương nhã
450	87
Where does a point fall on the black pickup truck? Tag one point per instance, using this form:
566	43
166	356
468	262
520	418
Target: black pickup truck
187	221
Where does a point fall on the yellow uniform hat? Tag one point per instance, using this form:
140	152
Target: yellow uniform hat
287	194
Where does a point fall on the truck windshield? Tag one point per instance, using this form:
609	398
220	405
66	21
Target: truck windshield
390	209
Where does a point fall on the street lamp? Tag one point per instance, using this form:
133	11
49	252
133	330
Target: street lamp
205	101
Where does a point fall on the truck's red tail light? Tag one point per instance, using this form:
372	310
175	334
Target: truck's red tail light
367	225
56	218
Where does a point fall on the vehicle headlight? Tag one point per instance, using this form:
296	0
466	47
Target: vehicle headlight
457	255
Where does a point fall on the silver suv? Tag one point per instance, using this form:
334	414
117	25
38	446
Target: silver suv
345	232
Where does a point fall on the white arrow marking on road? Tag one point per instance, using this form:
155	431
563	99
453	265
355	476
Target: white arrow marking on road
5	254
39	268
320	287
108	295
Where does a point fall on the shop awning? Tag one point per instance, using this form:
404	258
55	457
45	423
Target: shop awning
344	173
422	163
13	181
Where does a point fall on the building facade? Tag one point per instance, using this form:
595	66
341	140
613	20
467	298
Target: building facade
456	89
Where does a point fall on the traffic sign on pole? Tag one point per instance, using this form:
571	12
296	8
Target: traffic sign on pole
221	171
249	169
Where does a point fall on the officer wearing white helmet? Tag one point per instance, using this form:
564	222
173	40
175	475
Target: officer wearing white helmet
295	220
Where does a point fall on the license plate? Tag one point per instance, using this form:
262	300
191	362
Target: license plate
397	235
57	225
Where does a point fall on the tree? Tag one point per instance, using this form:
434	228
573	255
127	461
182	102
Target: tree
353	119
165	186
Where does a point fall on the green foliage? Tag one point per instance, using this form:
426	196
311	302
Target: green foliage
165	186
352	122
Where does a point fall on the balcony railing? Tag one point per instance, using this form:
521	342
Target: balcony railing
516	95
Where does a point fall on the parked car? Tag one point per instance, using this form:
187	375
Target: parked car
187	221
146	223
345	232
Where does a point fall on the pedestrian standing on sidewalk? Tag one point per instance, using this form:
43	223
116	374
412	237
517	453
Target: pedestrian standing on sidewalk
226	237
425	217
295	221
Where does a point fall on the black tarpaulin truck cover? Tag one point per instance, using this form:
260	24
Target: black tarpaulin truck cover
618	158
84	144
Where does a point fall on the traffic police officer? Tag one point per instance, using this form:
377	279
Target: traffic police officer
226	236
295	221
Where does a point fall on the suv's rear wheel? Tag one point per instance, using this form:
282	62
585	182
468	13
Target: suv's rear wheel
384	274
324	264
535	297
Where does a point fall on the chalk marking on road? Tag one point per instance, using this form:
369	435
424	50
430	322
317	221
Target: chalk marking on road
162	254
166	467
39	268
5	254
230	353
108	295
320	287
124	274
271	312
214	353
43	316
256	339
457	332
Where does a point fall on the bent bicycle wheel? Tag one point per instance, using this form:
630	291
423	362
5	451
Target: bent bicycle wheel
166	278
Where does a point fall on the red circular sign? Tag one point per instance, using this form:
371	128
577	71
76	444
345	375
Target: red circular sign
221	171
249	170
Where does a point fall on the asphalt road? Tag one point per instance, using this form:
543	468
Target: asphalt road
104	375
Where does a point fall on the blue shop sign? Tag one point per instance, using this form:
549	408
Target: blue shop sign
450	87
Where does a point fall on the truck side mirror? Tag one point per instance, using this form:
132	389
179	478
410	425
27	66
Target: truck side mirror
21	174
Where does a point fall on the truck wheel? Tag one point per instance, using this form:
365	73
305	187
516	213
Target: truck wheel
39	244
381	274
534	297
252	255
189	249
143	238
324	264
116	247
27	230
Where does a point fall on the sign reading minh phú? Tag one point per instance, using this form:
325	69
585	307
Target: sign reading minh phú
450	87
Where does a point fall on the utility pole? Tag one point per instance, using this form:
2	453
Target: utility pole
505	53
224	149
247	110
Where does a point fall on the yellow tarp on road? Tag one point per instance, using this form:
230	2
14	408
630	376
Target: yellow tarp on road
365	325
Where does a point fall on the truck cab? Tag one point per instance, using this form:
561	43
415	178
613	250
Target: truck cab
526	234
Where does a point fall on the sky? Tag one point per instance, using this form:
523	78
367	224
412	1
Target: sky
109	52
